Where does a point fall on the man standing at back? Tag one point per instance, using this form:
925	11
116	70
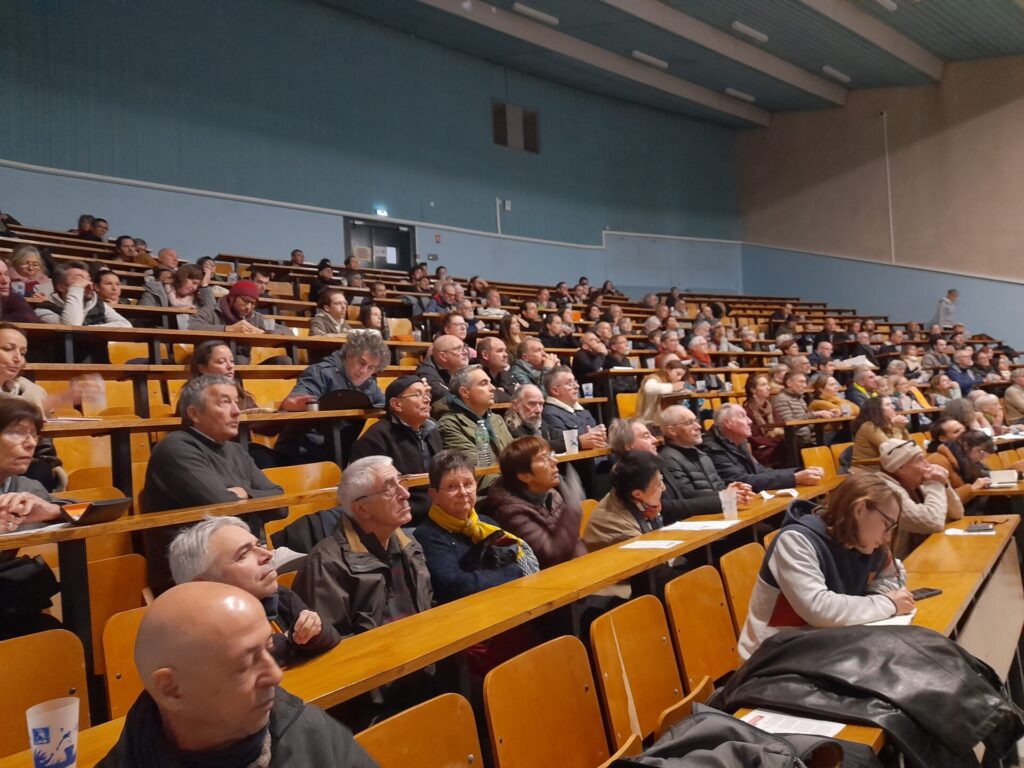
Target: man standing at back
212	695
945	310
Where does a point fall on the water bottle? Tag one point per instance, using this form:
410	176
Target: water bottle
417	335
484	455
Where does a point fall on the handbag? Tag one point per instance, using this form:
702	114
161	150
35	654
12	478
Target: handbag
496	551
26	586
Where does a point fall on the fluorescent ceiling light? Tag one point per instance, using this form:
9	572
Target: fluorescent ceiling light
753	34
646	58
739	95
889	5
842	77
382	212
533	13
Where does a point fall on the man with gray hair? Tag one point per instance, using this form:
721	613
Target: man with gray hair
352	368
726	444
863	387
223	549
625	435
368	572
199	465
524	418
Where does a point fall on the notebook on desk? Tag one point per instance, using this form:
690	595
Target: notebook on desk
1003	478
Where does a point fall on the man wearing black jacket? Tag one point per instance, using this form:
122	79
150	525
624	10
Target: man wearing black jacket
211	692
222	549
407	434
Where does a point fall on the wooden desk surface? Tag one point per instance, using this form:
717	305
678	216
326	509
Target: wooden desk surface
64	372
943	612
963	554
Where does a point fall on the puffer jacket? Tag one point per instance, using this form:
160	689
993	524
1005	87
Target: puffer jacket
550	526
735	464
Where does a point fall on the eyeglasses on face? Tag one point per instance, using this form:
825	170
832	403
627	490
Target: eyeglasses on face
389	491
890	523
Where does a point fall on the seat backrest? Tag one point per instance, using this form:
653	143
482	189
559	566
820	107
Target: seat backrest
587	506
837	449
626	403
267	392
701	625
115	585
121	352
820	456
123	682
769	537
37	668
739	572
298	478
542	708
637	675
439	733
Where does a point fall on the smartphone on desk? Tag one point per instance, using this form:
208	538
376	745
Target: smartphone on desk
980	528
924	593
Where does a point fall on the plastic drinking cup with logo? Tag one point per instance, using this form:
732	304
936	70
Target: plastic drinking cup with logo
53	732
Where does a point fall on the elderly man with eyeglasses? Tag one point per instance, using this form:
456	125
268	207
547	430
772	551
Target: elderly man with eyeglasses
926	500
407	434
447	355
368	572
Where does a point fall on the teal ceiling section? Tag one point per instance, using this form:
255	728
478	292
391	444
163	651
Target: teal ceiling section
802	36
957	30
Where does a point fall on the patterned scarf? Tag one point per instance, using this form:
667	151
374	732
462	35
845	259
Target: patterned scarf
471	527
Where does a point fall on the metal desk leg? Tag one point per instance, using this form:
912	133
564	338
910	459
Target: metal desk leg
69	348
74	597
121	460
243	435
140	389
613	407
154	351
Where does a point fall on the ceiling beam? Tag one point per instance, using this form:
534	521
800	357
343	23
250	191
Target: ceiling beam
681	25
878	33
545	37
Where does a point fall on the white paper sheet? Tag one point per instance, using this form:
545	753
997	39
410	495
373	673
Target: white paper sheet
700	525
895	621
652	544
781	492
776	722
962	532
21	531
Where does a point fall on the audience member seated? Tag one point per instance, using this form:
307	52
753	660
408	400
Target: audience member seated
830	333
983	365
493	356
260	275
862	387
28	272
465	552
532	362
492	305
633	505
789	405
297	258
215	357
84	225
525	418
108	288
719	340
526	502
726	444
937	357
468	311
698	348
201	464
445	300
962	409
945	429
419	301
988	407
124	249
331	318
822	351
455	324
664	381
825	397
894	346
913	360
962	372
829	566
188	289
926	500
964	459
223	549
692	483
862	347
372	318
625	435
941	390
74	302
446	356
562	410
552	335
590	357
529	316
765	434
324	279
24	505
353	367
468	404
212	694
1013	398
368	572
13	307
510	330
236	313
406	434
877	422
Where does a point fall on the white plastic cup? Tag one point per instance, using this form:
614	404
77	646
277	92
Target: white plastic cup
53	732
572	440
702	386
729	508
587	389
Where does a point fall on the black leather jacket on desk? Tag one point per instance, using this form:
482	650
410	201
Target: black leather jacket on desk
934	700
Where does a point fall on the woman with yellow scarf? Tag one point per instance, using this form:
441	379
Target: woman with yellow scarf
465	553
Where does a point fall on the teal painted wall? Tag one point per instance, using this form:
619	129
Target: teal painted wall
289	100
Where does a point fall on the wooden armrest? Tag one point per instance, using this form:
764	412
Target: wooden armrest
684	708
633	746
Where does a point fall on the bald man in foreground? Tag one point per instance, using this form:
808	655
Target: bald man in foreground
212	695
